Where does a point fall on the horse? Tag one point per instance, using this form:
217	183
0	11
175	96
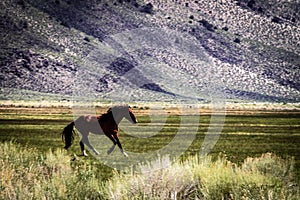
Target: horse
105	124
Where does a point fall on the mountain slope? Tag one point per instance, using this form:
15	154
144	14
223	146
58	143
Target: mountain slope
241	50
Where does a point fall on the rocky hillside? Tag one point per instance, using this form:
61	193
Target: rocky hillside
150	50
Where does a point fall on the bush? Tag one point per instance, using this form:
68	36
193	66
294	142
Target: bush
205	179
207	25
147	8
26	174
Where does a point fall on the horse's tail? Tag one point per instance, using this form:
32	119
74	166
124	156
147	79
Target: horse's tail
68	135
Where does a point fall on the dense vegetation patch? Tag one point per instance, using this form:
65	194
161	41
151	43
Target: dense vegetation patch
27	174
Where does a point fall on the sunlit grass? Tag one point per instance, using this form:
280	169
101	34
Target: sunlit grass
28	174
256	178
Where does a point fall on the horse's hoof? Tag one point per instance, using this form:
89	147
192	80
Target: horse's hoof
96	153
125	154
84	154
74	158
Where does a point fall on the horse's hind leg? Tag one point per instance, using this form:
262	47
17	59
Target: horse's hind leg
82	148
86	141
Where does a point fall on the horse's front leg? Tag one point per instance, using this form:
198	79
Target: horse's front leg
111	149
86	141
119	144
115	139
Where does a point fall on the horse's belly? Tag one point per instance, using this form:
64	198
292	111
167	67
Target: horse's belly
96	128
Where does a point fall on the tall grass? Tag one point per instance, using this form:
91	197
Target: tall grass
266	177
25	173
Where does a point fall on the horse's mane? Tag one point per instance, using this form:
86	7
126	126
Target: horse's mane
106	115
109	113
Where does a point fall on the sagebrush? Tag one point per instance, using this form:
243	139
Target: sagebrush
28	174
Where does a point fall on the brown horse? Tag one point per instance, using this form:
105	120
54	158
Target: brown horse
106	124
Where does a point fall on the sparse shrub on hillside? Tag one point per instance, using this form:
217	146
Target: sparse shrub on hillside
65	23
237	40
225	28
21	3
147	8
87	39
23	24
276	20
207	25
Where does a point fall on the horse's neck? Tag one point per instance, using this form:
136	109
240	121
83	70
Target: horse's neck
118	119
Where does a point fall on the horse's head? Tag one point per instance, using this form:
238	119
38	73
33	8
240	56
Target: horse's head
131	117
124	111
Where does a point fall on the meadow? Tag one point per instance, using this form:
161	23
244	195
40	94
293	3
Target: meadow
257	157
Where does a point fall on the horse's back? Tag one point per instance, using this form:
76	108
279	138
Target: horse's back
88	123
